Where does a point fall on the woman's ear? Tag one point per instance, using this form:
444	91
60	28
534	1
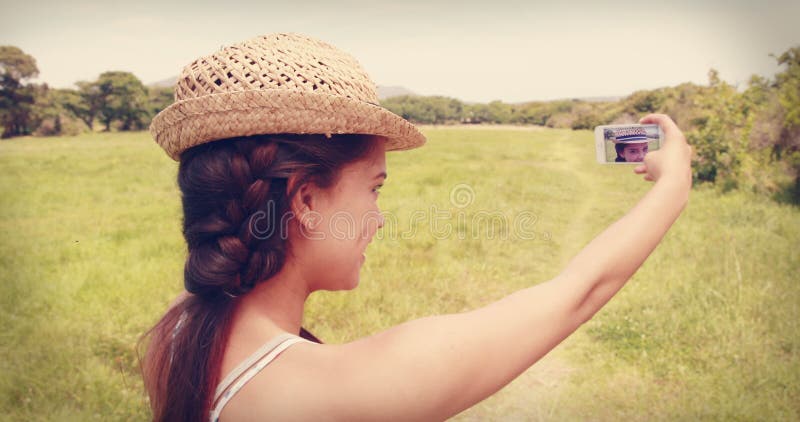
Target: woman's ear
303	201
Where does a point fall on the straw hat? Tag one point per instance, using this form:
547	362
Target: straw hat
630	135
276	83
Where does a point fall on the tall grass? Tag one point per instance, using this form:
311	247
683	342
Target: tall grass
91	254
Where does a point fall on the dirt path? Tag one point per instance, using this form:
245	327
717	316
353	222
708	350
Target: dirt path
537	393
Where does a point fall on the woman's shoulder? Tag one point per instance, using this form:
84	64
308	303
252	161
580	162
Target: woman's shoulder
256	383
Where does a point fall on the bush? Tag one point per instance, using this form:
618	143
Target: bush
62	124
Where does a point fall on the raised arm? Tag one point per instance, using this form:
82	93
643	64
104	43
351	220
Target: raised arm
608	261
435	367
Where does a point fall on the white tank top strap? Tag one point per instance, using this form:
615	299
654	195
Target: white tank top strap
249	368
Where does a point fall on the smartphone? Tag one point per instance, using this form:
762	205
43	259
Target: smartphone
624	144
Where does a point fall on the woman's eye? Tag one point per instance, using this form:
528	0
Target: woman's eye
377	189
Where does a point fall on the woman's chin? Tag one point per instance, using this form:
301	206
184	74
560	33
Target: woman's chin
346	283
353	282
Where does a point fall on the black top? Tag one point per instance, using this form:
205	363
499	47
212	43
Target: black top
308	336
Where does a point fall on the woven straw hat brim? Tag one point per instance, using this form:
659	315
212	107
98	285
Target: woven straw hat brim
194	121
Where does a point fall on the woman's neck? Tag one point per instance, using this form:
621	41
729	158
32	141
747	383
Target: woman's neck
281	299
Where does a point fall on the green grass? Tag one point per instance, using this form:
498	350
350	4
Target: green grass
91	254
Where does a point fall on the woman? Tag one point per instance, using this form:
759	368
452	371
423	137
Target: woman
270	218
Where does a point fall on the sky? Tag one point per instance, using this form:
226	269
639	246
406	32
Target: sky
476	51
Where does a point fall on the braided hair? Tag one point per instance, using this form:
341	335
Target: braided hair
235	208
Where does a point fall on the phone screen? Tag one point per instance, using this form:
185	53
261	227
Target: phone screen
625	144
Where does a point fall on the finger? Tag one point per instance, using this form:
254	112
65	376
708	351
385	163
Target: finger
667	124
651	156
649	178
640	169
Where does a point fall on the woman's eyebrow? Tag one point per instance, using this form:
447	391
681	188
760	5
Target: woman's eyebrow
381	174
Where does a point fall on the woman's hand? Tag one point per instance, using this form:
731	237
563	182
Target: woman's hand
673	159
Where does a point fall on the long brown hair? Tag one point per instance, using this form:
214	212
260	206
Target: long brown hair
224	186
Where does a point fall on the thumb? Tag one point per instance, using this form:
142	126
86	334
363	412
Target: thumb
641	168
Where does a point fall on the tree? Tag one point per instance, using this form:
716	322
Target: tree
587	115
719	139
427	110
16	99
642	102
52	113
476	113
86	102
120	96
158	99
787	84
499	112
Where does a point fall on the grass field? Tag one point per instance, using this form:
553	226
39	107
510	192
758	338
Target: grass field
91	254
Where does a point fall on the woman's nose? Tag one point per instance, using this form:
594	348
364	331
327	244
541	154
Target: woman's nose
372	222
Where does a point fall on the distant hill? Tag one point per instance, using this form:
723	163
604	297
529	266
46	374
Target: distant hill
385	92
165	83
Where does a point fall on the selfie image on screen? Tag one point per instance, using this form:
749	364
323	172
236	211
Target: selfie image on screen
629	144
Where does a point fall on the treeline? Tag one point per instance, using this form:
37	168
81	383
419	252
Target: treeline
746	138
117	100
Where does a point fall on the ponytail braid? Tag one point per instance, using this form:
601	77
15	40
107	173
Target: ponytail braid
226	254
